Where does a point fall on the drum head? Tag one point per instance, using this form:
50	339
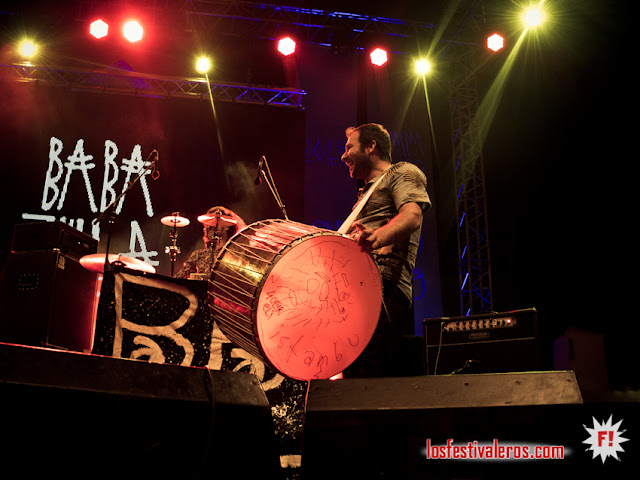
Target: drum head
318	307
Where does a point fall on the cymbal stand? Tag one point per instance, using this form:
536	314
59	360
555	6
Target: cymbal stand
109	214
173	250
266	174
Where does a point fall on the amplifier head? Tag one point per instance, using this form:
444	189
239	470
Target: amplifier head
484	343
53	236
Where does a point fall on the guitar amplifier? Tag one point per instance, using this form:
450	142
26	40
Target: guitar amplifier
53	236
484	343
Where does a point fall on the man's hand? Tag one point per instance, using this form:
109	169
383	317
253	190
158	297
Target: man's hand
407	221
367	238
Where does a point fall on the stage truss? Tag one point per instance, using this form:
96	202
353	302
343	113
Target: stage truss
137	84
474	257
339	30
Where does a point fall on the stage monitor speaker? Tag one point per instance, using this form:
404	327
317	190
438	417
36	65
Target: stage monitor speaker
484	343
379	428
48	301
86	416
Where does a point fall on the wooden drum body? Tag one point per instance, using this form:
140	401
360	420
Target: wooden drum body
304	300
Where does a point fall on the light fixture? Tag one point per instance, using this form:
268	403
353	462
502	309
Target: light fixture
533	17
99	28
286	46
378	57
422	66
27	49
132	31
203	64
495	42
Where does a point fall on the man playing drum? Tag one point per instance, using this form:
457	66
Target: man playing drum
388	227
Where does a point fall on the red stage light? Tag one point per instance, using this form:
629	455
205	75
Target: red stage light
495	42
379	57
286	46
132	31
99	28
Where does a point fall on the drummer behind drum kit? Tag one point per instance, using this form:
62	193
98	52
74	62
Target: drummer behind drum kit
96	262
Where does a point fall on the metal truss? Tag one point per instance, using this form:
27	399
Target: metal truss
143	85
474	261
338	30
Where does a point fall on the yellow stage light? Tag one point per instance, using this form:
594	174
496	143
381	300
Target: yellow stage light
422	66
27	48
533	17
203	65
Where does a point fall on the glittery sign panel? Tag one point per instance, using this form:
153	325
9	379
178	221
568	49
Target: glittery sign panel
153	318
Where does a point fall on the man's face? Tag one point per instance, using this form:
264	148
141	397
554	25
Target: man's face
355	157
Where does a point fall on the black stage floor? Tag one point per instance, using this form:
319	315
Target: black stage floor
92	416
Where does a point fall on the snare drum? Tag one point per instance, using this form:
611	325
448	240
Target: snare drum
304	300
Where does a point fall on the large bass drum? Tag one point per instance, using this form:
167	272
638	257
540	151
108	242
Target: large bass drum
304	300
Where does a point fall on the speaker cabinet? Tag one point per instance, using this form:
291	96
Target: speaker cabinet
85	416
583	352
380	428
48	301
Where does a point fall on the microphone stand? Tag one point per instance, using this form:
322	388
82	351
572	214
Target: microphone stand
109	213
266	174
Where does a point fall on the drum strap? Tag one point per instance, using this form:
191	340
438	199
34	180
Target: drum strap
344	228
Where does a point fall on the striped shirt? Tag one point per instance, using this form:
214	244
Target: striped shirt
402	183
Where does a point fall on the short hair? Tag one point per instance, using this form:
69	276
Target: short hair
374	132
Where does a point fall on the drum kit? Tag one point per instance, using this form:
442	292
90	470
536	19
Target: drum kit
96	262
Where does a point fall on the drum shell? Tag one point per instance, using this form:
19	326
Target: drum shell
240	272
246	263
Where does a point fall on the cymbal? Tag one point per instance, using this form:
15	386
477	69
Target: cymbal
175	221
95	262
217	220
